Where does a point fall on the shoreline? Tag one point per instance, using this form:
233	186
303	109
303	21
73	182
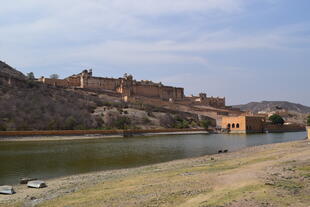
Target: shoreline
249	164
94	136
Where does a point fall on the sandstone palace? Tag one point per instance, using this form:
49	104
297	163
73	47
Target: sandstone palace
129	88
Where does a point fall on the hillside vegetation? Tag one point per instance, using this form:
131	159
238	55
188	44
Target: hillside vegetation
35	107
29	105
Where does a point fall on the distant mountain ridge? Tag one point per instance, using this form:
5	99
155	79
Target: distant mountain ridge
269	106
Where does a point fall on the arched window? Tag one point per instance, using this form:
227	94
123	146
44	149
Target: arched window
233	125
228	126
238	126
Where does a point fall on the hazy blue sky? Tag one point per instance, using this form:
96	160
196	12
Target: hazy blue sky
246	50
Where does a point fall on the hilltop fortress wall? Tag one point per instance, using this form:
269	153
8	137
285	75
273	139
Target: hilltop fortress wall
129	88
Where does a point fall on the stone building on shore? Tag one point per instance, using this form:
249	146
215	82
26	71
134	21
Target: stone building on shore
245	124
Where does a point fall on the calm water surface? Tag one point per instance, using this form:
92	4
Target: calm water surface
50	159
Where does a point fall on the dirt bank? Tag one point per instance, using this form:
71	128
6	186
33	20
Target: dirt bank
269	175
102	136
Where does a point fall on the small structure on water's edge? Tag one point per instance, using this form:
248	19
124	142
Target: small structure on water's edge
243	124
256	124
308	130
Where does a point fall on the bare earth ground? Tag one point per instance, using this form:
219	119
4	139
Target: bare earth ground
269	175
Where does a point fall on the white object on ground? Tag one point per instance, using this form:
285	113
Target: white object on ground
7	190
36	184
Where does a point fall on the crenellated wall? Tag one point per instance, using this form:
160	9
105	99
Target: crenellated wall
129	87
104	83
216	102
54	82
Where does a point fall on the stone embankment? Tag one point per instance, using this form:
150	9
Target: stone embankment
122	133
284	128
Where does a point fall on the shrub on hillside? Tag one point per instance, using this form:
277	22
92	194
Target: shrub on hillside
184	124
167	121
205	123
308	121
2	127
122	123
146	120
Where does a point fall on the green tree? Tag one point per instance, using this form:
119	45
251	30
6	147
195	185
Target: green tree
30	76
205	123
122	123
276	119
54	76
182	124
308	121
70	123
2	127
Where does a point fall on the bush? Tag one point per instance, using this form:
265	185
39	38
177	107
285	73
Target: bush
308	121
70	123
276	119
146	120
54	76
30	76
122	123
205	123
2	127
182	124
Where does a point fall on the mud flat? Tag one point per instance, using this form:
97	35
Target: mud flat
268	175
91	134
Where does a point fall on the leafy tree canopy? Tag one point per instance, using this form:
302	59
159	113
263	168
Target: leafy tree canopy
54	76
308	121
205	123
276	119
30	76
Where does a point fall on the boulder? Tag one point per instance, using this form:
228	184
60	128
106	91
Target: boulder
26	180
36	184
7	190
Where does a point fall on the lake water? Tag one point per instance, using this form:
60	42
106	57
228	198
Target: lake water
49	159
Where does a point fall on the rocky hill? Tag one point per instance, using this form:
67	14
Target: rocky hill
31	105
268	106
291	112
5	69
